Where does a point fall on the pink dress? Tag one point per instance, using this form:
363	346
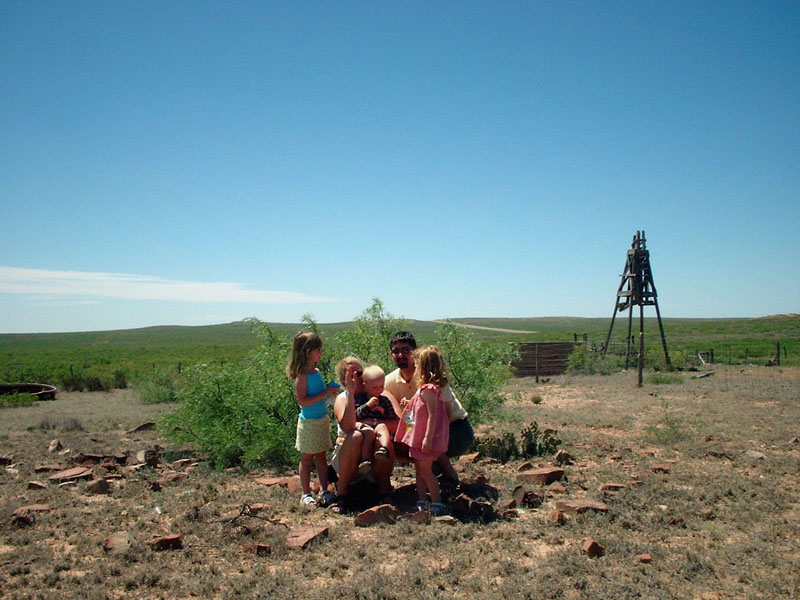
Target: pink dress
414	421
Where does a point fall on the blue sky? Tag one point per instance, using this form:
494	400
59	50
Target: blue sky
201	162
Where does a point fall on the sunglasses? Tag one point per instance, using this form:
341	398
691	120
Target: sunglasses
400	351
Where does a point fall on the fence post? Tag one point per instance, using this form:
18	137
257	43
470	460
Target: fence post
778	353
536	363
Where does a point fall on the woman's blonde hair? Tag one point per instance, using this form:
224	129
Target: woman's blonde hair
341	367
430	366
304	343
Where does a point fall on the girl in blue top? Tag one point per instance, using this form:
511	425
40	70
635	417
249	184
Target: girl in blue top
313	424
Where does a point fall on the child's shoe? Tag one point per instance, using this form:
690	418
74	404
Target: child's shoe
437	509
422	505
364	468
327	498
308	500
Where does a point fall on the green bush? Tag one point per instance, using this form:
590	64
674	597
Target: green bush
478	370
158	388
582	362
532	442
240	413
16	399
664	378
368	339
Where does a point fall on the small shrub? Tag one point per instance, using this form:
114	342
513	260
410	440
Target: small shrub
532	442
119	379
664	378
159	388
669	429
16	399
582	362
535	399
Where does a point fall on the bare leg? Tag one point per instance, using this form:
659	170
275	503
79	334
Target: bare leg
322	471
366	447
349	455
426	481
446	466
382	471
305	472
382	437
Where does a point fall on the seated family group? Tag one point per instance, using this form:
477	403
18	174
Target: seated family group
411	413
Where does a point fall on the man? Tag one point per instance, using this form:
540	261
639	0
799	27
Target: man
400	383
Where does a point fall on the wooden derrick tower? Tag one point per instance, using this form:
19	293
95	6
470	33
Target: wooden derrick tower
637	289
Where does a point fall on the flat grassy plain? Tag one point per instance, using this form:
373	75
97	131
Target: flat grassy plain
709	468
129	355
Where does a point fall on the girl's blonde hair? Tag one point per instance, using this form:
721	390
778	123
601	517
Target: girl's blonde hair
341	367
304	343
430	366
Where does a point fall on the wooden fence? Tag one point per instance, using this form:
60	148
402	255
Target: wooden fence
542	358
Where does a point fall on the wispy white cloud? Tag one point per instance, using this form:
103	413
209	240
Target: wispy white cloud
14	280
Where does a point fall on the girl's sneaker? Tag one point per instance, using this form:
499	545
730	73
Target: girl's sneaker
437	509
308	500
327	498
422	505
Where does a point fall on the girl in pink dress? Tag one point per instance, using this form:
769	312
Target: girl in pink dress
425	425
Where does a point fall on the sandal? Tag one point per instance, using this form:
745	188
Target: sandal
422	505
308	500
364	467
327	498
437	509
382	452
338	506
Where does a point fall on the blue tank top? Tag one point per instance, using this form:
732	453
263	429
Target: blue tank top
314	385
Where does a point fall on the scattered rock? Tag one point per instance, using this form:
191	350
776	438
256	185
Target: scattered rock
591	547
558	488
661	469
118	543
258	549
468	509
273	481
644	558
526	498
755	455
602	445
88	460
23	516
423	517
143	427
795	440
37	485
166	542
173	477
564	458
511	513
720	454
541	476
72	474
303	536
6	459
556	517
675	521
181	463
384	513
612	487
469	458
54	446
447	520
46	468
508	504
150	457
192	513
526	466
98	486
581	505
706	514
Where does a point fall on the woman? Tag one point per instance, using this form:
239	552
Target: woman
347	453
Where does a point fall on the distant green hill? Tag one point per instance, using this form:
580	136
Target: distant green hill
53	357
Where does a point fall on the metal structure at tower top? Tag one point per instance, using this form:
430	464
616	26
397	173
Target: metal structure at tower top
637	289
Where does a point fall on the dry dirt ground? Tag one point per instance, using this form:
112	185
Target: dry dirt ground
708	467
